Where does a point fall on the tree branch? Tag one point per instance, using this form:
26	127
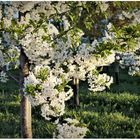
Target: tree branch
13	77
10	75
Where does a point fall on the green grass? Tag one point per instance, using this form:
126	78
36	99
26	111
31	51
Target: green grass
9	110
112	114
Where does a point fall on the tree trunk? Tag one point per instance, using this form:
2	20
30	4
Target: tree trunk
26	126
76	92
116	70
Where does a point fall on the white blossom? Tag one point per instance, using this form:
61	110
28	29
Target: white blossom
99	82
70	130
132	61
51	99
3	77
103	6
52	30
1	59
35	48
31	79
65	23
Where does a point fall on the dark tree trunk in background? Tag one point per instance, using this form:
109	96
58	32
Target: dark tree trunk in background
116	70
117	78
76	92
26	121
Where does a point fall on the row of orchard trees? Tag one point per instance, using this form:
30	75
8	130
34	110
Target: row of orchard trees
58	42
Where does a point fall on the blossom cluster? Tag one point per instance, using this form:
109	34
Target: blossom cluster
1	59
31	10
3	77
127	59
70	129
80	59
8	60
99	82
69	66
35	47
44	88
67	60
132	61
134	14
133	70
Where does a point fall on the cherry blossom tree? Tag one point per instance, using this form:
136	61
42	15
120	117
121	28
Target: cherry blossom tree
46	40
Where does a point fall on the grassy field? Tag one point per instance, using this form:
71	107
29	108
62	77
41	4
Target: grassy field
112	114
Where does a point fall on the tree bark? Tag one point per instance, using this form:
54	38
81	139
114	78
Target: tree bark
26	121
76	92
